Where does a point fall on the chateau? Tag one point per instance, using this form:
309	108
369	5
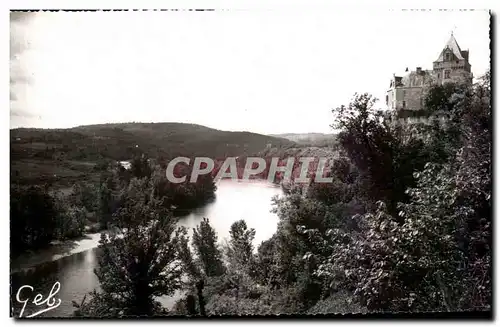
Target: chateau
452	65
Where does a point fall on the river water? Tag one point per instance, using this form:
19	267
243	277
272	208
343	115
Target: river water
72	263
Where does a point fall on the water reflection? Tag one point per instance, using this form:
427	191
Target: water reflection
250	201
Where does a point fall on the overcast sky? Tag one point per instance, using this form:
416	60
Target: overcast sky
261	71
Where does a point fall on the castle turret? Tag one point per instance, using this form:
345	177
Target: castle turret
452	64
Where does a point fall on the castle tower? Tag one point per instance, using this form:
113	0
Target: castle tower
452	64
406	92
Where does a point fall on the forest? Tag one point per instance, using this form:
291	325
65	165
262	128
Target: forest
405	226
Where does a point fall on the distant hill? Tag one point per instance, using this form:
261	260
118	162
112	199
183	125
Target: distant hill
309	139
74	151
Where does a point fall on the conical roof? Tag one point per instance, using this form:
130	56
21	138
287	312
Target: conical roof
455	48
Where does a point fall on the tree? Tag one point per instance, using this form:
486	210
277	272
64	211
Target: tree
139	259
240	248
385	151
105	205
140	166
441	97
367	139
86	195
207	250
268	267
70	220
191	269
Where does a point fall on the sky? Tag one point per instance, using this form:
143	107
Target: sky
264	71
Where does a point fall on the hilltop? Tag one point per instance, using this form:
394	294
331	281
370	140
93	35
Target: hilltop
57	155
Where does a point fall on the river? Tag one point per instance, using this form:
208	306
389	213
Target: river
72	263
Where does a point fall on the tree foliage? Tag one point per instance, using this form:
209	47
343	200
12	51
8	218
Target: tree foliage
207	250
33	218
434	251
139	258
240	250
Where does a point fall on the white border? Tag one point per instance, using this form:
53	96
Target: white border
222	5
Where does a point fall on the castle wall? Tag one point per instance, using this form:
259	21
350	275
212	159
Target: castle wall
459	70
411	92
409	98
412	98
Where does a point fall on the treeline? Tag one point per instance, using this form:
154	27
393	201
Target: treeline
127	140
40	215
405	226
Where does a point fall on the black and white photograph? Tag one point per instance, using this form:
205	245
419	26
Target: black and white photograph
230	162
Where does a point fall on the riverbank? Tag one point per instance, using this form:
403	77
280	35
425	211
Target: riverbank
60	249
55	251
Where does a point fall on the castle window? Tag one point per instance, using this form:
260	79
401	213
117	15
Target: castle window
446	74
404	104
439	76
447	56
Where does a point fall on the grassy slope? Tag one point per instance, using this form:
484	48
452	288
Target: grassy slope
66	155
